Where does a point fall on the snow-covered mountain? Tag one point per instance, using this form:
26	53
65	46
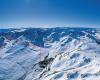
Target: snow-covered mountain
50	54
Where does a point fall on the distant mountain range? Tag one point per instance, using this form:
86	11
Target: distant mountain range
50	54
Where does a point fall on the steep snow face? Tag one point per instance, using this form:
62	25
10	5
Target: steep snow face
50	54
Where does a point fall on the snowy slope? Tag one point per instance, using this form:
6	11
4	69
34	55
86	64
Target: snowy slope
76	63
18	58
50	54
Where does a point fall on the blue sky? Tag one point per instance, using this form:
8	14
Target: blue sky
49	13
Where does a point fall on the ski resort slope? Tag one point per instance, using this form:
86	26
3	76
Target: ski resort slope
50	54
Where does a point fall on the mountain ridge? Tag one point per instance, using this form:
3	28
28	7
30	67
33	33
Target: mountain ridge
50	54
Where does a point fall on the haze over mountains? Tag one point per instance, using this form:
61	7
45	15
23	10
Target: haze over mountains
50	54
